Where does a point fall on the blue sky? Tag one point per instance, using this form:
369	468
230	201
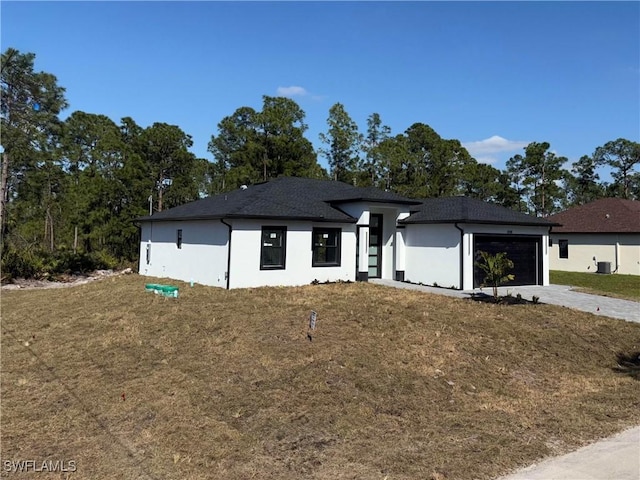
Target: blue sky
495	75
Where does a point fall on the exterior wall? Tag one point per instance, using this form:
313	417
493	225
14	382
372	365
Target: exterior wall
401	248
622	250
360	210
471	230
401	253
436	255
202	258
205	250
246	241
433	254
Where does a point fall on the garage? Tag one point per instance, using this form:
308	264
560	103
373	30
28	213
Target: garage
524	251
443	238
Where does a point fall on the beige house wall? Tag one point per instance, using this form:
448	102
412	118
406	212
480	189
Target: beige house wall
622	250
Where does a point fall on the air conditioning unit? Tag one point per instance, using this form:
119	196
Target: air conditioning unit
604	267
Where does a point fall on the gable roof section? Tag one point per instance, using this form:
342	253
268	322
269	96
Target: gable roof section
282	198
470	210
606	215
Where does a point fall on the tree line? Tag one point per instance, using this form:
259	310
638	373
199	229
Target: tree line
70	190
253	146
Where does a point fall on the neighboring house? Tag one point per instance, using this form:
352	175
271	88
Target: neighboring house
292	231
605	232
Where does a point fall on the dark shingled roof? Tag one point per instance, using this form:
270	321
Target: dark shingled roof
282	198
606	215
470	210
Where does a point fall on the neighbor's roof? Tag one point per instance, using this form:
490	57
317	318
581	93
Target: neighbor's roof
282	198
606	215
470	210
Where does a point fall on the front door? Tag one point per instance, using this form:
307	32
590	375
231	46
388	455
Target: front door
375	245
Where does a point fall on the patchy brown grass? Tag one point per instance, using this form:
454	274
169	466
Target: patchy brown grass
225	384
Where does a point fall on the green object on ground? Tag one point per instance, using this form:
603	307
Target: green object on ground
164	290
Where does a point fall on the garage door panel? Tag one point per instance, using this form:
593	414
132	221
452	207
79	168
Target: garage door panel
522	251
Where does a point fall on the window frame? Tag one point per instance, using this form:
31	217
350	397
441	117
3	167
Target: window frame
267	229
179	238
563	248
338	247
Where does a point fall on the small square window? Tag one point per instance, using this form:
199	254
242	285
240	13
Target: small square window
326	247
273	248
179	238
563	248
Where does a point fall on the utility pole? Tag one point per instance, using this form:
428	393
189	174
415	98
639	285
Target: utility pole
161	184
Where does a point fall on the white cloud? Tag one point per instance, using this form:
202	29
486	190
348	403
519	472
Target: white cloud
486	159
483	150
292	91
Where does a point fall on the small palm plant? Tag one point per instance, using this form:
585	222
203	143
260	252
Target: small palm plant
496	268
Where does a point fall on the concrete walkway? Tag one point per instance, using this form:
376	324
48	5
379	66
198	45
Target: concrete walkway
615	458
562	295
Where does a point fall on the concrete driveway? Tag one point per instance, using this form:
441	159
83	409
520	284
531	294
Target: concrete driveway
615	458
562	295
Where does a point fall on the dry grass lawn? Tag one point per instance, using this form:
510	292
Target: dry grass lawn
225	384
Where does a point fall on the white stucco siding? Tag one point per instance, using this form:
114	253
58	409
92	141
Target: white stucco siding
363	247
401	244
432	255
246	248
505	229
401	250
467	261
358	210
201	258
622	250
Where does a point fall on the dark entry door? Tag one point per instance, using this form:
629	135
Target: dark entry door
524	252
375	245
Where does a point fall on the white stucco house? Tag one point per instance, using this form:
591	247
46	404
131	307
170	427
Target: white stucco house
292	231
604	233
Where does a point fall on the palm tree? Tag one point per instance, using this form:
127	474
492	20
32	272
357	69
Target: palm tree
496	268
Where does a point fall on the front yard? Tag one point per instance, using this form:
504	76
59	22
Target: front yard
619	286
392	384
